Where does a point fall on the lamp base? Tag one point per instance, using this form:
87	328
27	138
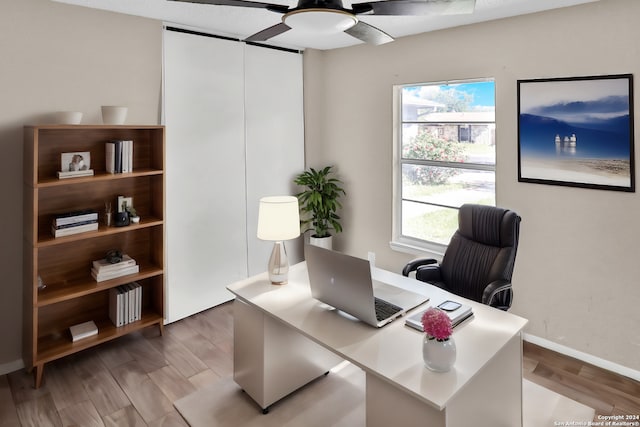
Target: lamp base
278	265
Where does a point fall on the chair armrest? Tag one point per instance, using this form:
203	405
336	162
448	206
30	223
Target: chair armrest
413	265
430	274
493	289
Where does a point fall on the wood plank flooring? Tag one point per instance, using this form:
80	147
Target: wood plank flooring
607	392
134	380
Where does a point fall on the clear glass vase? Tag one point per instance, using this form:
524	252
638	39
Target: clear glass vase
439	356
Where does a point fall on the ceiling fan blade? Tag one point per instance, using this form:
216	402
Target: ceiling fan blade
241	3
368	34
268	33
415	7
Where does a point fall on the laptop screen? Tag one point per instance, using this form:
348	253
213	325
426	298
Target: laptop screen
341	281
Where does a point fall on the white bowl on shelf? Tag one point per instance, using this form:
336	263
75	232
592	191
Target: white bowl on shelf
68	117
113	115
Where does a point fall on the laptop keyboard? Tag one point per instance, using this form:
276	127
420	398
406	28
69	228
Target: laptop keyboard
385	309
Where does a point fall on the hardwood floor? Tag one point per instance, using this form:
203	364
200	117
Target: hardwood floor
608	393
134	380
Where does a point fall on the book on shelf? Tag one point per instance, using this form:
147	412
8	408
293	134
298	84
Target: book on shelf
123	308
119	156
74	217
104	266
115	302
102	276
75	224
138	314
83	330
125	304
74	174
132	302
70	230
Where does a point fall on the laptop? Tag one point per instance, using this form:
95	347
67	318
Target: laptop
344	282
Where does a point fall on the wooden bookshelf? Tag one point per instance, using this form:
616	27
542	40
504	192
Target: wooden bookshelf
71	295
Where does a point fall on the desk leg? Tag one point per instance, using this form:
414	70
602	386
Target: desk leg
271	360
493	398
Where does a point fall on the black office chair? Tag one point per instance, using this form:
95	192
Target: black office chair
478	263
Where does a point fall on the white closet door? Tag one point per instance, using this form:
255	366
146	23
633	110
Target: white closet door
206	240
275	139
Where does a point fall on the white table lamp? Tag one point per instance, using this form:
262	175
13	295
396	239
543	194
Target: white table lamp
278	220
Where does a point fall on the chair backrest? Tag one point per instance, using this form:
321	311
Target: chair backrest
482	250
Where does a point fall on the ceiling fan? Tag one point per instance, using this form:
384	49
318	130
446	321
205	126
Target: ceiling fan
329	16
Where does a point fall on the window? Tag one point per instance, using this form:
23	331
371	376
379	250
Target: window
445	157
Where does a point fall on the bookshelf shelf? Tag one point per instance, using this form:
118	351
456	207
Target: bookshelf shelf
54	182
58	292
48	240
54	347
71	295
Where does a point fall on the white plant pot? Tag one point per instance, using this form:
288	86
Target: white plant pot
68	117
323	242
439	356
113	115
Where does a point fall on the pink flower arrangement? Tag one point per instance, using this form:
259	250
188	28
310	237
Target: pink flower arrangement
436	324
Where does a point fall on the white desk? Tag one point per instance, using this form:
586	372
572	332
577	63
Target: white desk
284	338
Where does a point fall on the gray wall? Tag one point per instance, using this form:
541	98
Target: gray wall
56	57
576	277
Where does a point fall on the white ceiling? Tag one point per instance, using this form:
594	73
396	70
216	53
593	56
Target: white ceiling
240	22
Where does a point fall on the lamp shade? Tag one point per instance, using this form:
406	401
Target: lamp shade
278	218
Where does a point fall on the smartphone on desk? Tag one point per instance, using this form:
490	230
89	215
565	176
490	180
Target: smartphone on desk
449	305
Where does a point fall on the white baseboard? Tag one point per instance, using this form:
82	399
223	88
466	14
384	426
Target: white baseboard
585	357
6	368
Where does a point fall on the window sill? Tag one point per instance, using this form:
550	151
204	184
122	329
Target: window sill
418	248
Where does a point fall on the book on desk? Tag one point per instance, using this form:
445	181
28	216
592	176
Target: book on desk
457	316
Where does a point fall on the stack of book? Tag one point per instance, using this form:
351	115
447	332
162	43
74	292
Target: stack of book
458	314
102	269
119	156
69	223
73	174
125	304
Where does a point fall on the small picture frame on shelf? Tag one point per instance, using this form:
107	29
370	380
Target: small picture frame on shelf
124	203
75	164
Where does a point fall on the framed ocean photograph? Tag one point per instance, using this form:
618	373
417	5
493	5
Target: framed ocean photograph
577	131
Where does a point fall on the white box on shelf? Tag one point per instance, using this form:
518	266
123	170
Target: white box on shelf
83	330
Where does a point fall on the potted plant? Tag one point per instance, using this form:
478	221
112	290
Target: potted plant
133	214
319	203
438	346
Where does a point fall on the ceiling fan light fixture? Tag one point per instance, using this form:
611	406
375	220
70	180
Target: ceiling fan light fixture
324	21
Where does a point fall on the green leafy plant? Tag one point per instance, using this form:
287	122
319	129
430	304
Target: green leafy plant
320	201
131	210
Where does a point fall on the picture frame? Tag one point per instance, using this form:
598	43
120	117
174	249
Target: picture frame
75	162
123	202
577	132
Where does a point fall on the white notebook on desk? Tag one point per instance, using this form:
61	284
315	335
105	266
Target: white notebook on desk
457	316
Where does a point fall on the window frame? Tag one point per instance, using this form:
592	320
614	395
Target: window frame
404	243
